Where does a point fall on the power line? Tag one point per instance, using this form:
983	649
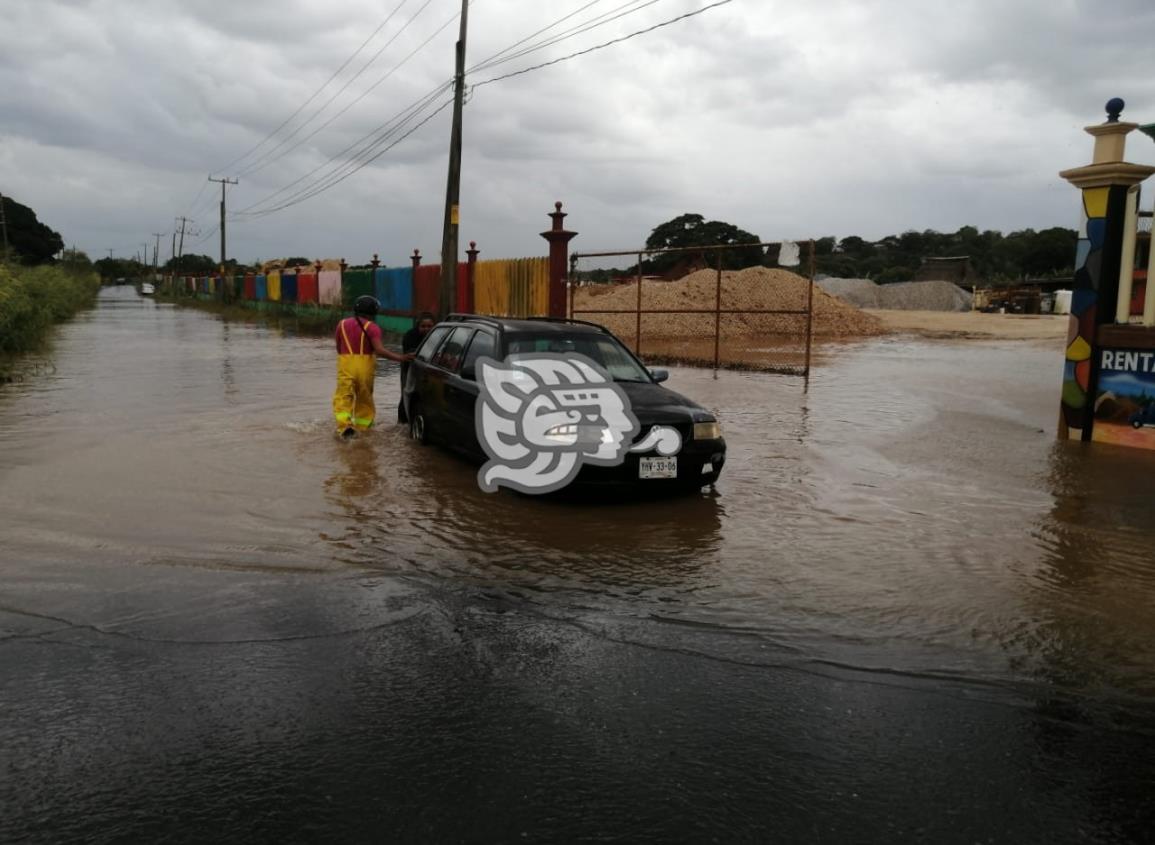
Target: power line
588	50
386	129
607	17
312	192
316	93
533	35
382	132
370	152
270	157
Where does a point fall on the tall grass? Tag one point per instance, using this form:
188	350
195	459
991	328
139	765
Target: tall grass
35	299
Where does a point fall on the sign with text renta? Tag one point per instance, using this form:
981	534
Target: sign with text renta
1125	403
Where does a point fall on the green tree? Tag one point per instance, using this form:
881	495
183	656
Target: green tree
31	241
692	230
192	264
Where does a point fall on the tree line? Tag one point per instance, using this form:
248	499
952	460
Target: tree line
997	258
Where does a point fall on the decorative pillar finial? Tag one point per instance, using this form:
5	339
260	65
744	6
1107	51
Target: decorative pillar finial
1114	109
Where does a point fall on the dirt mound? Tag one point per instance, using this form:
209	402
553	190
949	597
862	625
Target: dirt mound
754	287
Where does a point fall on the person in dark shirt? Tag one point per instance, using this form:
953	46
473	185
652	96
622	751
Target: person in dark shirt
409	343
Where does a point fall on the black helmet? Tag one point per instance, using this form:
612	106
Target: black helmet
366	306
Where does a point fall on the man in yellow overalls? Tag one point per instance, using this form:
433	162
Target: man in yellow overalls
358	345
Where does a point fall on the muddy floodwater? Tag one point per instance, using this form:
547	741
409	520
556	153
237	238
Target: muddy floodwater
907	614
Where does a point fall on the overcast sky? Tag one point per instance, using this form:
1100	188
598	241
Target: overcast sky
790	120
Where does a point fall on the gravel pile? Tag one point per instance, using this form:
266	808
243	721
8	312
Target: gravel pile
754	287
924	296
861	293
901	296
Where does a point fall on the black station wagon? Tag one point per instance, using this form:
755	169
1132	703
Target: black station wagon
441	390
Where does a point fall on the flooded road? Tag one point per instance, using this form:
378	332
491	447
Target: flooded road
907	614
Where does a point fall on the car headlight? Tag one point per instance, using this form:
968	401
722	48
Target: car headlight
707	431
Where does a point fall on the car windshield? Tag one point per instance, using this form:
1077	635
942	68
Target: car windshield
602	349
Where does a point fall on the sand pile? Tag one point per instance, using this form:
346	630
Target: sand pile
901	296
279	264
754	287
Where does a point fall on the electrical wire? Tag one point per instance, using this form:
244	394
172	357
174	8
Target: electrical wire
373	150
270	157
376	136
316	93
610	16
334	182
384	128
366	92
602	46
532	35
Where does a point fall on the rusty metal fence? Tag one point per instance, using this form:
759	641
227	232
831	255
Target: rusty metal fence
760	317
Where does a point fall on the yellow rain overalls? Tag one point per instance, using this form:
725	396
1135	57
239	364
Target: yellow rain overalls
353	399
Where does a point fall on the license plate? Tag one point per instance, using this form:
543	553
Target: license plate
658	468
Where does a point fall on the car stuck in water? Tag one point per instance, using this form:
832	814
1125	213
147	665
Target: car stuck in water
443	386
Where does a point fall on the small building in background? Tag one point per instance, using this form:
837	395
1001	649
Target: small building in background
955	269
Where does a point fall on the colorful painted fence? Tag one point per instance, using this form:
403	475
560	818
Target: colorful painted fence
512	288
506	288
329	288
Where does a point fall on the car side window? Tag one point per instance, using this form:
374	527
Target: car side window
432	341
483	344
448	357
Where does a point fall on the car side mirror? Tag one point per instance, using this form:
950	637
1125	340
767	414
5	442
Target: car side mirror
659	375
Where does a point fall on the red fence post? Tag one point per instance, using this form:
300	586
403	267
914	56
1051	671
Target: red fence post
472	253
559	239
416	259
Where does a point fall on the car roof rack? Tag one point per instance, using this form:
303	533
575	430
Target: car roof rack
569	320
475	318
499	322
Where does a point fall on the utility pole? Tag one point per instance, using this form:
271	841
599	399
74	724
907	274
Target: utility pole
156	253
224	183
180	249
448	298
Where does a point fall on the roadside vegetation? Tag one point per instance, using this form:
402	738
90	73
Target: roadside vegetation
42	284
35	299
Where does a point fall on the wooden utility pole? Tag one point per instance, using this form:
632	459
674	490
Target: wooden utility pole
448	298
224	183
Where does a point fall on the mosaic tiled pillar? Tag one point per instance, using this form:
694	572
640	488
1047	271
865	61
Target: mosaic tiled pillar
1095	290
1104	184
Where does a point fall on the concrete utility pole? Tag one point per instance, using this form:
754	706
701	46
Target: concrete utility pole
224	183
448	298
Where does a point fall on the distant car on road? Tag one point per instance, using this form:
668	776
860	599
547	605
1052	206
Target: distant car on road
441	391
1145	416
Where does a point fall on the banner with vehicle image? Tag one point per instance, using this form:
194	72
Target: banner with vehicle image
1125	404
